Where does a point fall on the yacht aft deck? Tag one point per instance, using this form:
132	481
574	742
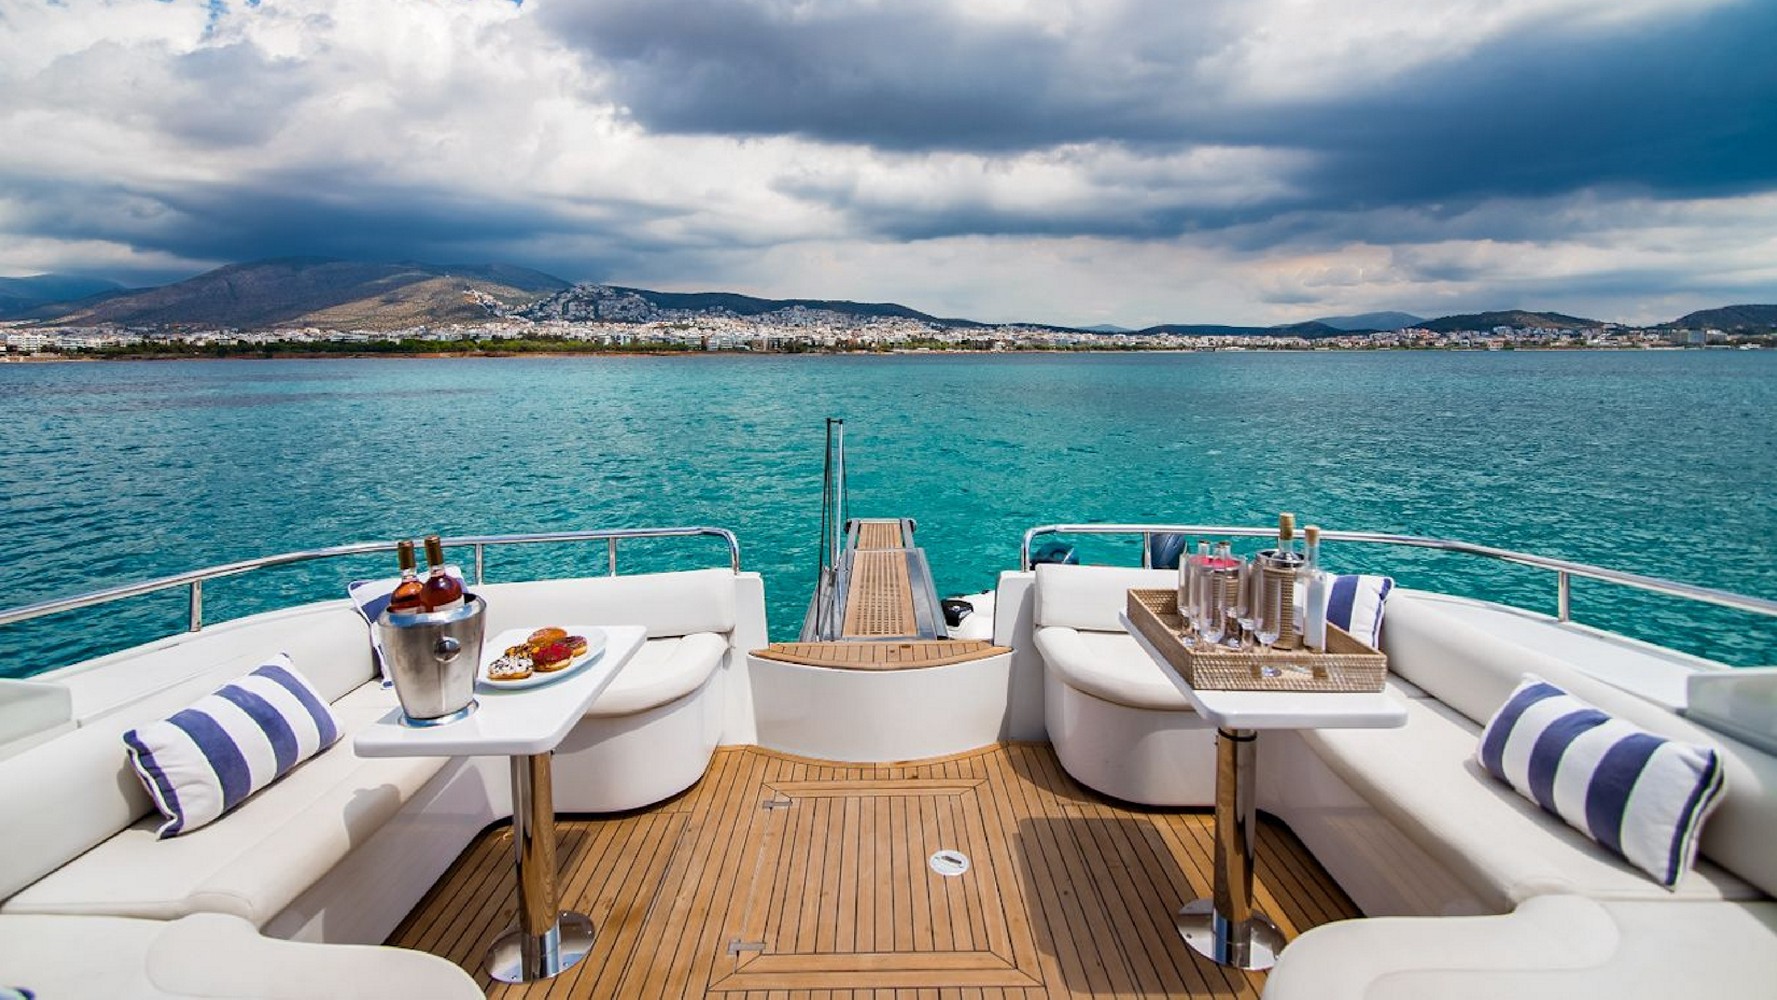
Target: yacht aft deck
778	876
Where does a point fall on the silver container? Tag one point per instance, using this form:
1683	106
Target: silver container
432	658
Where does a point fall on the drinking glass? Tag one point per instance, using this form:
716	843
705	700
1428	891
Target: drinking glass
1212	607
1267	621
1242	607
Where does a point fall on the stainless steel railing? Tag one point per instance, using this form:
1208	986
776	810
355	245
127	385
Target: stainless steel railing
194	579
1565	570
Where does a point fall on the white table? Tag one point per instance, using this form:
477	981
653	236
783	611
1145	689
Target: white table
526	725
1225	927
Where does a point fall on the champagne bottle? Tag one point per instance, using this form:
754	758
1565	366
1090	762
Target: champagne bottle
409	596
443	592
1316	612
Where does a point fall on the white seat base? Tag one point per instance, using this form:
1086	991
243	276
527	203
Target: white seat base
208	955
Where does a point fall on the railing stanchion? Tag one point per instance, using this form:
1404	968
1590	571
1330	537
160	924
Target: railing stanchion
1147	550
1563	595
197	606
480	564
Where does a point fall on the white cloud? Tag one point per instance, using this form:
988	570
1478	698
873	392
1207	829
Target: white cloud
141	138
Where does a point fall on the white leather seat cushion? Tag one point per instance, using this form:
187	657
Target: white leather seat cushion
662	671
255	860
1090	598
1551	948
1424	778
1474	671
208	955
666	603
1108	665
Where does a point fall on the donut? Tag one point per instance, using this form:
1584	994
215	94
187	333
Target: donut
509	668
577	643
545	636
553	656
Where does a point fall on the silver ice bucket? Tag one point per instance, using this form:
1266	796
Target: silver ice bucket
432	658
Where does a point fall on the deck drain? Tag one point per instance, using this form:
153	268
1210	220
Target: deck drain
949	864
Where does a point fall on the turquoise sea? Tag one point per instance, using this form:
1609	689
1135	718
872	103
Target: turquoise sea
1656	462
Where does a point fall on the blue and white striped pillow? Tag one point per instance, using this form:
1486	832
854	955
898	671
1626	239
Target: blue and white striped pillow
1354	603
205	760
1642	796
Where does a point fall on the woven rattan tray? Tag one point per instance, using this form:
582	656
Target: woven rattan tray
1347	665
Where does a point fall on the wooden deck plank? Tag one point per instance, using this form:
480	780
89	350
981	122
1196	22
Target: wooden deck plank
880	535
1066	894
881	654
879	599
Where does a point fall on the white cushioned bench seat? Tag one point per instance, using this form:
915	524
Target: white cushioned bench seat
1552	948
1118	724
1424	778
662	671
1108	665
208	955
258	858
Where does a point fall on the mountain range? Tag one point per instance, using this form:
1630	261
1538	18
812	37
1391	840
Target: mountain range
341	294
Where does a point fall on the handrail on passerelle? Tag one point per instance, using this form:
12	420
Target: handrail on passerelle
1565	570
195	578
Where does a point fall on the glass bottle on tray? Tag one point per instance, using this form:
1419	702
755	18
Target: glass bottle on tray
1314	612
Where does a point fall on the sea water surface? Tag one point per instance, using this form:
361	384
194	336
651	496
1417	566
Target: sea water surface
1655	462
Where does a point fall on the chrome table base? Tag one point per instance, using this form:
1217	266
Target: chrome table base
1253	947
1225	927
546	941
559	949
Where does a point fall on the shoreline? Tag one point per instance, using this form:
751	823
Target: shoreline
48	358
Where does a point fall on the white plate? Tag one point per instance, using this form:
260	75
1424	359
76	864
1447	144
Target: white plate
595	644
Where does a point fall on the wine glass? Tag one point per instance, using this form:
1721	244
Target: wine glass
1242	608
1212	607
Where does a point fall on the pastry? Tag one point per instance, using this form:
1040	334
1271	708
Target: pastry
544	636
509	668
553	656
577	643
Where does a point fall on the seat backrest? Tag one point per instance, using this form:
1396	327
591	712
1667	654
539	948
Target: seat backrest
668	604
1474	671
63	796
1090	598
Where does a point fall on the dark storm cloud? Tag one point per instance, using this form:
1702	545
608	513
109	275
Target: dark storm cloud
314	213
904	76
1682	106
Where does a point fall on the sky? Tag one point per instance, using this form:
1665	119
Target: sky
1067	161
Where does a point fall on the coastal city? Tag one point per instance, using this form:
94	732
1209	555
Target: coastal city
799	330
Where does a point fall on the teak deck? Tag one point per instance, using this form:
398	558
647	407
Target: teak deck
777	878
881	655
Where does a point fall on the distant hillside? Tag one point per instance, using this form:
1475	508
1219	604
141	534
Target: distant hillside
304	291
1514	317
1731	318
19	296
639	305
1372	321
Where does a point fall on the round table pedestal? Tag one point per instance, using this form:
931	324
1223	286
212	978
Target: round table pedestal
558	950
1253	947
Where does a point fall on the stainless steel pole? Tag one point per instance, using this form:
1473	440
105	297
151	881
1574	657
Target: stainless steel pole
1225	927
546	941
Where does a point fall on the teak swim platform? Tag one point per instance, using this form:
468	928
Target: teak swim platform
777	873
885	605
